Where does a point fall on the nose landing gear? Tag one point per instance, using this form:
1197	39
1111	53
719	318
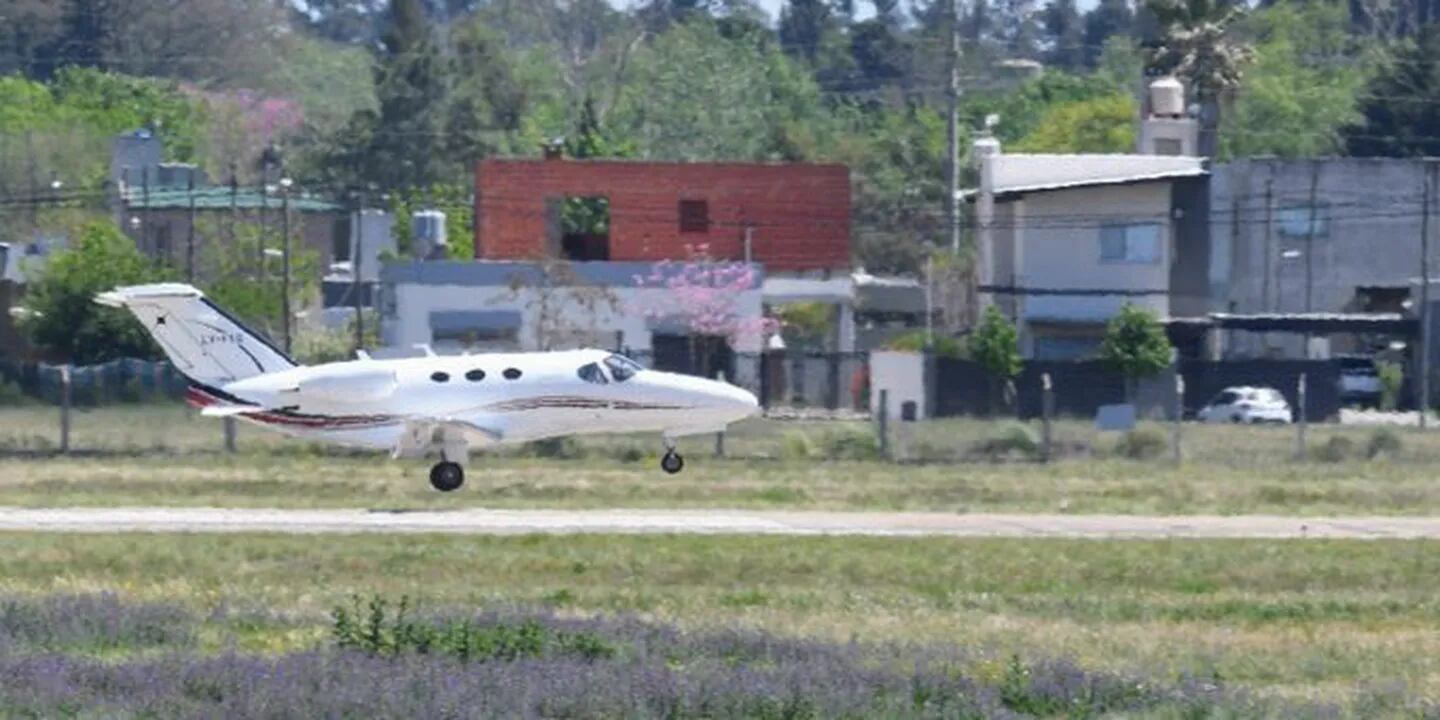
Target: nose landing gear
447	476
671	462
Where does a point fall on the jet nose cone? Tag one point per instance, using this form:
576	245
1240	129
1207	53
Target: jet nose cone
738	400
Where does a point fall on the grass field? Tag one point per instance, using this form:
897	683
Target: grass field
165	455
1342	622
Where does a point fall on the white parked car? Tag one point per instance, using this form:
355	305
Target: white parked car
1248	405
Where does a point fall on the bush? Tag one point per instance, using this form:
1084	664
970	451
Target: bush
563	448
372	628
1383	441
1142	444
1335	450
11	395
798	446
1012	439
851	444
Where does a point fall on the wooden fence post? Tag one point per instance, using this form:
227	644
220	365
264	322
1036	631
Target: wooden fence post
65	409
1175	449
720	436
1300	415
883	422
1047	416
229	426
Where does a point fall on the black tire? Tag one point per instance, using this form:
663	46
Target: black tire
447	476
672	463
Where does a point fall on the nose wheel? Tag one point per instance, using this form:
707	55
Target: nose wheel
671	462
447	476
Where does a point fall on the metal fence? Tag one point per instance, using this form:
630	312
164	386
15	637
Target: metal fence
117	381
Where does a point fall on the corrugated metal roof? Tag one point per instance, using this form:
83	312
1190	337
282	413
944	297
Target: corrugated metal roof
219	197
1024	173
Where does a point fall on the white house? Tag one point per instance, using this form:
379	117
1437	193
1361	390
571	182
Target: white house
1066	240
458	306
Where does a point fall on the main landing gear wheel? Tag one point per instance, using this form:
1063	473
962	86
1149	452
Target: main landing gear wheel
671	462
447	476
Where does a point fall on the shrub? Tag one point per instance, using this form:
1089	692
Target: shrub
1012	439
851	444
1142	444
564	448
1383	441
1335	450
12	395
1392	379
372	628
798	446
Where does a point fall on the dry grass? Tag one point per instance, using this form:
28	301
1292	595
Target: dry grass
165	455
1317	619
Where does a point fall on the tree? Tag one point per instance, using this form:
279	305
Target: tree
62	315
995	344
1135	345
1301	91
1110	18
1197	44
1401	109
404	147
1067	35
1100	125
560	299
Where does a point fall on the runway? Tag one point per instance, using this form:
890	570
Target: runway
705	522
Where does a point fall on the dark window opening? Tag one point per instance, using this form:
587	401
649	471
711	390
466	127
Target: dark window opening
511	374
694	216
582	230
475	375
622	368
440	377
591	373
340	239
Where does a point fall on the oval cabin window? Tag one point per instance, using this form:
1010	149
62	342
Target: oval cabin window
475	375
512	374
440	377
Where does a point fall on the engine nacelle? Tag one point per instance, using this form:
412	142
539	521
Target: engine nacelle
351	385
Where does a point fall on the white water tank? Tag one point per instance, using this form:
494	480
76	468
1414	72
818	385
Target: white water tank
1167	97
983	147
427	235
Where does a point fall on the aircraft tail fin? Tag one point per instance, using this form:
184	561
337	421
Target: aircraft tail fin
204	342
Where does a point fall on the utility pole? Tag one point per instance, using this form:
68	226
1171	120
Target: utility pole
1269	244
356	254
264	208
1425	294
190	236
1310	241
952	154
285	260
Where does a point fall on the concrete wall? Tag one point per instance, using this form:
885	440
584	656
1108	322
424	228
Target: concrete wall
799	213
902	376
1370	209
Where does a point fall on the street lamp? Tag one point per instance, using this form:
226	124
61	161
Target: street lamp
285	184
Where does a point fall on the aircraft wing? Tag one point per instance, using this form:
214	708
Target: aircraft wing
422	433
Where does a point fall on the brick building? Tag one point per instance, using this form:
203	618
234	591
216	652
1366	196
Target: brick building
796	216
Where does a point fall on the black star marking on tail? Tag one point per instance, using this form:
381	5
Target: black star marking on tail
159	321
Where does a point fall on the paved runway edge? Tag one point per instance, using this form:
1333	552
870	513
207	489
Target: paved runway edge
706	522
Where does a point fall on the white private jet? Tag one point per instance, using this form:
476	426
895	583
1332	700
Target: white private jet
415	406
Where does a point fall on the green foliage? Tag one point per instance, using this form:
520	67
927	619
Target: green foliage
1302	87
1383	442
914	341
1142	444
1401	115
807	325
563	448
1337	449
1011	440
1022	109
1392	380
995	344
851	444
453	199
370	626
234	275
64	318
1099	125
1135	344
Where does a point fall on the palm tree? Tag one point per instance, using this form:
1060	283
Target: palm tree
1197	44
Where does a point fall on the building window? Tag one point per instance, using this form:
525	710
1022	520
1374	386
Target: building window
340	239
1294	221
1139	244
694	216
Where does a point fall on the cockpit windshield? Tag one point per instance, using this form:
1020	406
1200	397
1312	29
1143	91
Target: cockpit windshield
622	368
592	373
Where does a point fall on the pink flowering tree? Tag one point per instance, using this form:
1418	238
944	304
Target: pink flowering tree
703	296
242	123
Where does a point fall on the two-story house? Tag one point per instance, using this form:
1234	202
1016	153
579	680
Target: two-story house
1066	240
